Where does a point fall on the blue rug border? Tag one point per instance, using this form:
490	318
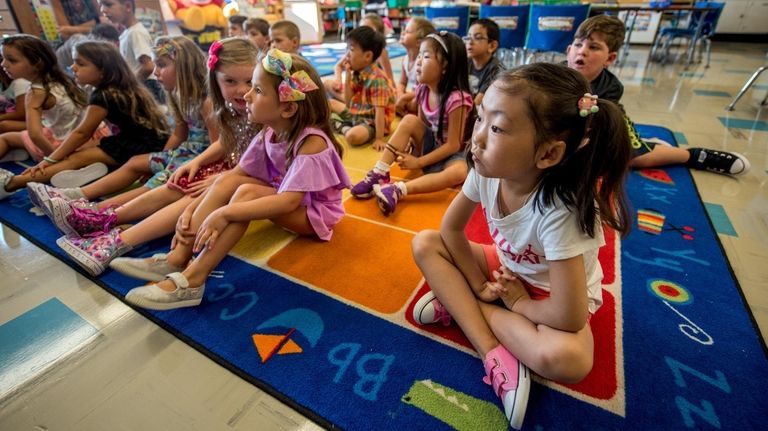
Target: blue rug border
744	303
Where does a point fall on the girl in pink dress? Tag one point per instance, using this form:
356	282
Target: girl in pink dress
291	174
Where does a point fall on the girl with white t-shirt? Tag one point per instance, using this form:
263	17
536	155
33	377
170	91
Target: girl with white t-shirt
549	162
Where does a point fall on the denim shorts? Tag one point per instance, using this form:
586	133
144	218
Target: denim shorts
428	145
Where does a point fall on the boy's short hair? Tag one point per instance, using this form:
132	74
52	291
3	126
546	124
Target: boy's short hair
490	27
290	29
259	24
105	32
610	27
377	21
368	39
237	19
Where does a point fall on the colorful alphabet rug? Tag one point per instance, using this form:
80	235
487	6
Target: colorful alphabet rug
326	327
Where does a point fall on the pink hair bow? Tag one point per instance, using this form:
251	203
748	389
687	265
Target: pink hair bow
294	86
213	54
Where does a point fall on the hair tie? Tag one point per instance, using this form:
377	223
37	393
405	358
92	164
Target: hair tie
213	54
588	104
294	86
439	39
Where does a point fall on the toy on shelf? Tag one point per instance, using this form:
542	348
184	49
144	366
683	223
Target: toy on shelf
203	21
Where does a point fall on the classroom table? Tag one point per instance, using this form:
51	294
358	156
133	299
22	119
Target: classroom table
632	11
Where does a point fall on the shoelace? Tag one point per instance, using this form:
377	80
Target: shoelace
441	313
92	218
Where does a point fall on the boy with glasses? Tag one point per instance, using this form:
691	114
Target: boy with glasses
482	41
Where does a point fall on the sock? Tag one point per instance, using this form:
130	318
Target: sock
693	159
75	192
403	189
381	167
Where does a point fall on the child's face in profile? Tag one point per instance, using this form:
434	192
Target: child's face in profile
281	41
257	38
165	71
235	30
409	39
429	67
477	43
263	103
116	11
357	58
590	55
503	140
86	73
16	65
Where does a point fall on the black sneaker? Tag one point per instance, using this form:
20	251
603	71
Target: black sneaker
721	162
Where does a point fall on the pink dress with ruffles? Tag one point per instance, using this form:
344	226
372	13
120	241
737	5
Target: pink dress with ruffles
321	176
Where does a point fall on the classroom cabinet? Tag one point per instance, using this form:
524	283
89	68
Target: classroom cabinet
744	17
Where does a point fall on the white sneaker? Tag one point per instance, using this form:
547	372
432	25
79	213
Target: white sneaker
154	268
15	155
5	177
79	177
155	298
41	194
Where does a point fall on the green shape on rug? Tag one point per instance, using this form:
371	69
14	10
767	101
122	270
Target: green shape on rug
455	408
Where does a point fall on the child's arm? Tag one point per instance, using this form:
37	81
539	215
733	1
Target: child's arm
348	86
566	308
386	65
179	135
380	120
213	153
266	207
35	100
452	232
452	144
147	67
210	122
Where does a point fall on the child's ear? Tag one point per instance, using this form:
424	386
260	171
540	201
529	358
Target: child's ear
288	109
493	45
611	58
550	154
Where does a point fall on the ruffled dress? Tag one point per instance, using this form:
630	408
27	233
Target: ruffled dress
320	176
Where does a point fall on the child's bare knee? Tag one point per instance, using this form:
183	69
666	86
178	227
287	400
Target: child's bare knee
425	242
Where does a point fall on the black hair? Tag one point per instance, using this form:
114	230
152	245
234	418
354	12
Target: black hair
259	24
106	32
491	28
237	19
590	177
368	39
455	77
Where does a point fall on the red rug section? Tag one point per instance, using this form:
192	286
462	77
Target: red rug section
602	381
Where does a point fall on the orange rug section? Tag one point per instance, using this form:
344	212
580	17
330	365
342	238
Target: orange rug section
414	213
365	263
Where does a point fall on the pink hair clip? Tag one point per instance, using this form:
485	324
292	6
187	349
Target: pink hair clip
213	54
588	104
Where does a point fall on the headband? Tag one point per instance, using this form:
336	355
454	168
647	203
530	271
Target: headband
438	37
213	54
167	48
294	86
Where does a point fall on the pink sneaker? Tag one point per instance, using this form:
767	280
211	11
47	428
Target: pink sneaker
80	217
429	309
364	189
94	254
511	382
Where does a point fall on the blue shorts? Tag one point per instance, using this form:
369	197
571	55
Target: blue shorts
428	145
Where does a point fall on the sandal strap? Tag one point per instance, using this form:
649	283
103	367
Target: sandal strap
178	279
391	148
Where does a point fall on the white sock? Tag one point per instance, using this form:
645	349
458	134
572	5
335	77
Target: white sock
401	185
381	167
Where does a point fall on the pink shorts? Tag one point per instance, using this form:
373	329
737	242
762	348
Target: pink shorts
494	263
37	154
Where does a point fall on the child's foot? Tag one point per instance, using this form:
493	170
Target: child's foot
387	196
80	217
154	297
15	155
721	162
79	177
5	178
429	309
40	194
364	189
94	254
511	382
153	268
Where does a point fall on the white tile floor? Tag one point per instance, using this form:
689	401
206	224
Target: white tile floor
134	375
